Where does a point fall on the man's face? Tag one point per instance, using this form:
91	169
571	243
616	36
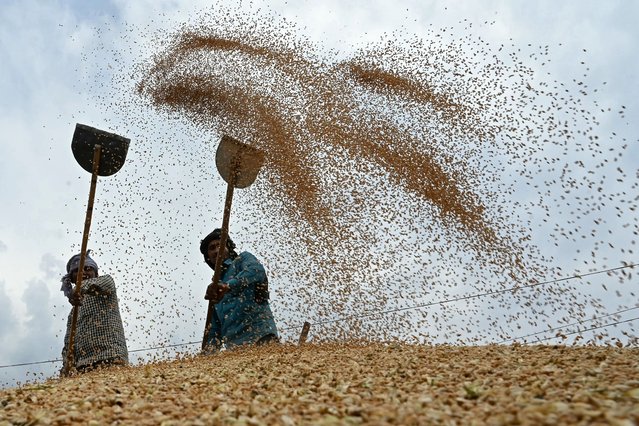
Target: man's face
88	273
214	247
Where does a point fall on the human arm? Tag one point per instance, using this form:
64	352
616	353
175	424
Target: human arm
75	299
249	272
216	292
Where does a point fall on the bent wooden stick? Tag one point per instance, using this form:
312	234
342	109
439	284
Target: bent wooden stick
219	260
304	334
70	361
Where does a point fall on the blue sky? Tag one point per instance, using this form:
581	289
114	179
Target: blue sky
58	59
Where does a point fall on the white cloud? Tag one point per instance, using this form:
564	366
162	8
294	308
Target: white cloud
7	318
36	334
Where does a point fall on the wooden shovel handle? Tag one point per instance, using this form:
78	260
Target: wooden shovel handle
304	334
70	361
223	237
219	260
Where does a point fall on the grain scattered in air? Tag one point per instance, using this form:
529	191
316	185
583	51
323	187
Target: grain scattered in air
410	185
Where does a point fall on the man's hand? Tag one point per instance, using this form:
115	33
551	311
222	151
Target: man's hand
76	298
216	292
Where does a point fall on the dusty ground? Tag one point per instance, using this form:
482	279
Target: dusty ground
349	384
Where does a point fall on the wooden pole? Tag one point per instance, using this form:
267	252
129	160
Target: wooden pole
220	254
70	362
304	334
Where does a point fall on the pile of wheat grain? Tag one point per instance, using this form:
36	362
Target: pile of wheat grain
368	383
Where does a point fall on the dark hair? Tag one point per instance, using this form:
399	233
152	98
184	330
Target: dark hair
215	235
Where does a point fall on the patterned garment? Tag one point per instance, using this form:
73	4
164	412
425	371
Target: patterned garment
99	335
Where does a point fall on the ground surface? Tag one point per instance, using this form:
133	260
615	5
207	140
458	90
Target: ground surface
349	384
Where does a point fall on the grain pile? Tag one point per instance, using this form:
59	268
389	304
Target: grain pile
333	384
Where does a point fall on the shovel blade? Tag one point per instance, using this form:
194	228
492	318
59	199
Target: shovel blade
237	162
112	156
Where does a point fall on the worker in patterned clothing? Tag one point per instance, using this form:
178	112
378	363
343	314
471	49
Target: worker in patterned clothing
242	314
99	339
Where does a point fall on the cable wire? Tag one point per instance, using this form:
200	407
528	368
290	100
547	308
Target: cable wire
30	363
589	329
566	326
441	302
164	347
460	298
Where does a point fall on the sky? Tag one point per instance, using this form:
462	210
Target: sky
60	62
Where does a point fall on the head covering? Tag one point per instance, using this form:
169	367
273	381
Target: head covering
74	263
215	235
72	266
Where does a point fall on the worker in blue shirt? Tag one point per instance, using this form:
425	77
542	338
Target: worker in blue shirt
242	314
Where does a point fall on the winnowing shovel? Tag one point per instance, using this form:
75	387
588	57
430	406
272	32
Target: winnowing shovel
100	153
238	164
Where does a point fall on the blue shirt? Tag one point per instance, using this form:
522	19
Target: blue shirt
244	315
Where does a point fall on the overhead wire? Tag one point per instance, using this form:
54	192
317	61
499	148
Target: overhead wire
441	302
566	326
589	329
460	298
131	351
